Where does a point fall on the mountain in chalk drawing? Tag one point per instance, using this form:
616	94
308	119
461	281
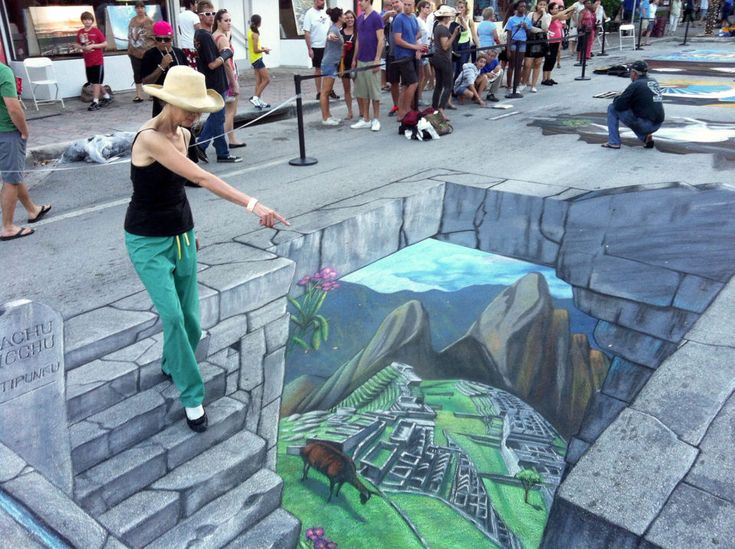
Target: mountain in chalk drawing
519	343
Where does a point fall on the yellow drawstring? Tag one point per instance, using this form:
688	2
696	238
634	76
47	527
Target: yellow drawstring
178	246
186	239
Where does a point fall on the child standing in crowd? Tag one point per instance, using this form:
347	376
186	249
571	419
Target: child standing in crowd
93	43
255	54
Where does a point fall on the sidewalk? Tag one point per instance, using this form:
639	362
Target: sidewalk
53	128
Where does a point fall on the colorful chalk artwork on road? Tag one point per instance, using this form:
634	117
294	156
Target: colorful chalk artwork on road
440	385
698	92
677	136
695	62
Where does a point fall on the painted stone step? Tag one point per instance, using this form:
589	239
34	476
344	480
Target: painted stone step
114	430
107	484
219	522
100	384
279	530
185	490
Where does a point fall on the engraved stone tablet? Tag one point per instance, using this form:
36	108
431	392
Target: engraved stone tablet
32	389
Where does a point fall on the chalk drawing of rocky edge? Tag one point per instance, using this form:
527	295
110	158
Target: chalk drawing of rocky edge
676	136
698	92
437	412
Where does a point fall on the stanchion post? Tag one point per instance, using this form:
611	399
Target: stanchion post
686	31
517	68
583	52
640	33
604	33
302	160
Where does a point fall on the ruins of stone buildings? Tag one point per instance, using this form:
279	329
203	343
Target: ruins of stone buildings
409	459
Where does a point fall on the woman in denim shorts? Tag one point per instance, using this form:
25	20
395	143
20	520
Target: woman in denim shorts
330	64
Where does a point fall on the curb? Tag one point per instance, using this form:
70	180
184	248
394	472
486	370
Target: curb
53	151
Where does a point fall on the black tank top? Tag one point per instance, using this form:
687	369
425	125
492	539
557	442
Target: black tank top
158	206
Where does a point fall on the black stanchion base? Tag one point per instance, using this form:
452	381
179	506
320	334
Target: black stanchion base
515	95
638	48
601	54
683	44
582	78
305	161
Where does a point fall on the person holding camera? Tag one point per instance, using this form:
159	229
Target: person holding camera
160	58
640	107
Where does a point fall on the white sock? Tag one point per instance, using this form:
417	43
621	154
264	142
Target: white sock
107	96
195	413
96	100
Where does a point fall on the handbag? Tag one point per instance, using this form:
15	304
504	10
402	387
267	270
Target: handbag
437	121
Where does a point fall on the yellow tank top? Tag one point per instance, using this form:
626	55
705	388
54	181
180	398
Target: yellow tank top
252	55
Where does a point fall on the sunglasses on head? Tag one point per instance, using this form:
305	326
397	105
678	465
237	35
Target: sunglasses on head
163	39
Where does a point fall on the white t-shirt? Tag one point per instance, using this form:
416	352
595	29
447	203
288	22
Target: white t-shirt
652	11
425	34
187	20
317	23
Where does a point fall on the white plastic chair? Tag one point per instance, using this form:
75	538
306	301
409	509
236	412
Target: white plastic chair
49	78
629	27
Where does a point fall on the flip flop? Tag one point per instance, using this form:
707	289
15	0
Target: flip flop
44	210
609	146
19	234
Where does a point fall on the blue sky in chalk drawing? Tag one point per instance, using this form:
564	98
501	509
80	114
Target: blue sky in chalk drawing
435	265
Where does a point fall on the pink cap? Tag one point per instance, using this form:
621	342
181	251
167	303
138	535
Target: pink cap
162	28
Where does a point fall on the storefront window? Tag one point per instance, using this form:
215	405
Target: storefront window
49	28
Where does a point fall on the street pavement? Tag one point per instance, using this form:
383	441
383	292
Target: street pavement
77	261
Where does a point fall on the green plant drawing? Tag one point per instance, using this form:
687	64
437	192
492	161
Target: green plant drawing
311	328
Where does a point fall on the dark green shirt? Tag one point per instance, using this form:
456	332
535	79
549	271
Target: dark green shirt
7	89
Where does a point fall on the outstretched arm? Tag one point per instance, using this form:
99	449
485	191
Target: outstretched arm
164	152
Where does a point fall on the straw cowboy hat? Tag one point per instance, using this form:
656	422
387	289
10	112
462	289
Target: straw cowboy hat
445	11
186	88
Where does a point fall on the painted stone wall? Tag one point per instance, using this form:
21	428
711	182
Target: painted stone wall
647	262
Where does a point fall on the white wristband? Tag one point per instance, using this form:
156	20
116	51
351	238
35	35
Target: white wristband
251	204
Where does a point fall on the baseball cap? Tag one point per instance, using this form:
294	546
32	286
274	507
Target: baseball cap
640	67
162	28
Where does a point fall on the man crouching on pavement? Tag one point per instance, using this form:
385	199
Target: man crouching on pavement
13	139
640	107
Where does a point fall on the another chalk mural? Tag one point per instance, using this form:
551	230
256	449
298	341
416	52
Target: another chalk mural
428	400
695	62
698	93
677	136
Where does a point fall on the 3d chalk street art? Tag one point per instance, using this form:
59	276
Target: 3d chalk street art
445	387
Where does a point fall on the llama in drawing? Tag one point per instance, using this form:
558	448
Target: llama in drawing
336	465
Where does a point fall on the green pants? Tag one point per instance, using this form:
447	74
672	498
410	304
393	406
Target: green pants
167	266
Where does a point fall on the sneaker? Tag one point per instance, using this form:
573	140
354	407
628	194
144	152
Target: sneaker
491	97
93	106
229	159
256	102
105	101
393	111
375	125
533	90
361	124
330	122
553	82
546	83
263	104
333	95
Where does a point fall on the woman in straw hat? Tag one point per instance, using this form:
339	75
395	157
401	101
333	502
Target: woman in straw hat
159	226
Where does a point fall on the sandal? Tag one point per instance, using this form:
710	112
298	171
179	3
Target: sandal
46	208
23	231
609	146
137	100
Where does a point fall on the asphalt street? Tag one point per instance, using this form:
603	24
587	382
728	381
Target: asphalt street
77	260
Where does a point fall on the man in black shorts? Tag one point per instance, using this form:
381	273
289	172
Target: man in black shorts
406	53
316	26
